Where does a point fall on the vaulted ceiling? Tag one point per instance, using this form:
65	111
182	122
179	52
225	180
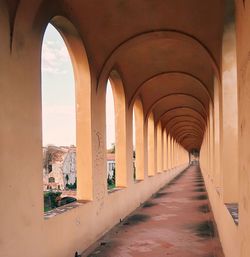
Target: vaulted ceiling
168	53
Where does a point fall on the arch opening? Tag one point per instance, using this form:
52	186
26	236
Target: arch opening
119	136
66	115
110	137
138	140
58	121
151	145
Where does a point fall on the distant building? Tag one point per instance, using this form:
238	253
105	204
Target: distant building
110	164
59	167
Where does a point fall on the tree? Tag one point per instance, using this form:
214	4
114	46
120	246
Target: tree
67	178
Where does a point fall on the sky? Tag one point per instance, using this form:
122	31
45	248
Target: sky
110	114
58	94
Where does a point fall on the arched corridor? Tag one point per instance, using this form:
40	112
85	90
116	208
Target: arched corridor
179	72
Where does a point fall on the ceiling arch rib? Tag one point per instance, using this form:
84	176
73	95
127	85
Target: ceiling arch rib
182	130
184	122
180	99
175	109
180	136
185	135
149	36
179	112
190	141
185	129
183	83
171	102
183	118
180	124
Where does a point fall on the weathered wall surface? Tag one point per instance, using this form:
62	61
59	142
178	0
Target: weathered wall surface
24	231
227	229
243	53
234	164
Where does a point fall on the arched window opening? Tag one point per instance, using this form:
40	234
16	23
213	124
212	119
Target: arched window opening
159	148
138	140
134	145
110	137
172	152
58	121
165	150
151	145
169	151
116	131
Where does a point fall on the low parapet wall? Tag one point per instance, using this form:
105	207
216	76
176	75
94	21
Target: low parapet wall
80	227
227	227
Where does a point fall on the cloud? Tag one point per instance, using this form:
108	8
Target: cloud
55	57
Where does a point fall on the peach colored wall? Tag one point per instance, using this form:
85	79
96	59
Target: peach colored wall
24	231
230	114
243	50
235	173
213	172
228	230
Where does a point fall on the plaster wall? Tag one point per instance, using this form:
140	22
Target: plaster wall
230	115
25	232
243	69
140	50
227	229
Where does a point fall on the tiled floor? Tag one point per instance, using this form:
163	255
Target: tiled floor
175	222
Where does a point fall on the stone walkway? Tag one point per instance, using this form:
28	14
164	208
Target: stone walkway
176	221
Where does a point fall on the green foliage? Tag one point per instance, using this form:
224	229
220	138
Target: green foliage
71	186
111	181
134	171
51	200
111	186
67	200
